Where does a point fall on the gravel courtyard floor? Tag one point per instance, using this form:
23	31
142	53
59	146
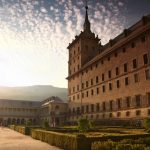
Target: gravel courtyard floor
11	140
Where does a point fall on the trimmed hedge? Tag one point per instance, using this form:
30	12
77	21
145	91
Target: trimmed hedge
64	141
22	129
127	144
26	130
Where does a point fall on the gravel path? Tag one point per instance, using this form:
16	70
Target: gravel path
11	140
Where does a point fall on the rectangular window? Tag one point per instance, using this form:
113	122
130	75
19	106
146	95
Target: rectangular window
136	77
111	105
82	95
82	85
145	59
77	87
96	65
138	112
92	92
73	89
138	100
117	71
97	90
96	79
86	83
104	106
103	77
78	110
73	97
118	83
119	103
125	67
82	109
128	113
148	111
147	74
91	81
97	107
87	94
128	101
148	98
132	44
109	74
78	96
92	107
134	63
110	86
103	88
124	50
126	81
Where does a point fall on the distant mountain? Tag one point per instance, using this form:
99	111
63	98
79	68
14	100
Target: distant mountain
33	93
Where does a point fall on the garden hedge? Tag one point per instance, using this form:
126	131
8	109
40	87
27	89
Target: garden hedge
26	130
127	144
68	141
64	141
22	129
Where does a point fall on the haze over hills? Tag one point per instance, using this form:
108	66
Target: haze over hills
32	93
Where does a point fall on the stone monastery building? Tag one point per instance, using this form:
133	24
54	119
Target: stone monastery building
111	80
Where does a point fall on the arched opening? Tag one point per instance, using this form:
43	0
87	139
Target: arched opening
18	121
13	121
8	121
22	121
34	121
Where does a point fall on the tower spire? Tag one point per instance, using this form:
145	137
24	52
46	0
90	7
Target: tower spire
86	22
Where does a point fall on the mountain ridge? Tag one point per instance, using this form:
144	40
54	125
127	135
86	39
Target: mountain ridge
32	93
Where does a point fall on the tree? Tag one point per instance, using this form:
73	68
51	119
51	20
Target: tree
147	123
84	125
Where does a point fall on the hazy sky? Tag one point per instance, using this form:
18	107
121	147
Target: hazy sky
34	35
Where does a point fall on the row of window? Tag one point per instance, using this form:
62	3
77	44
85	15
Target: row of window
117	72
110	86
133	44
116	54
113	105
118	114
2	109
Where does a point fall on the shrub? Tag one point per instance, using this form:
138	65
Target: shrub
138	147
147	148
109	145
28	123
123	147
147	123
84	125
46	124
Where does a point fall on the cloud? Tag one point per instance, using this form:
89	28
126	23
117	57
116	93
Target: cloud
34	35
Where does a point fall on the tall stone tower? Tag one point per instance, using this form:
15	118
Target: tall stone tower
82	49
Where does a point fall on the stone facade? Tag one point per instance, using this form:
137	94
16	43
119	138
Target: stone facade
18	112
52	109
110	81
